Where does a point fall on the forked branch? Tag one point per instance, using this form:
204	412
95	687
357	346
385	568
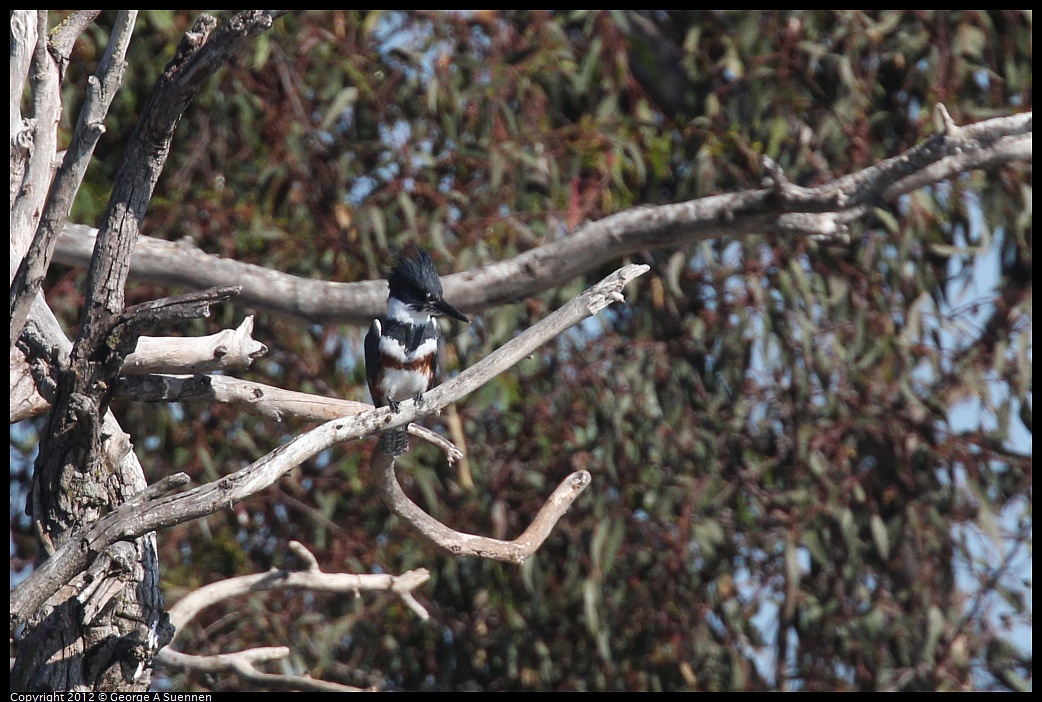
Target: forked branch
460	543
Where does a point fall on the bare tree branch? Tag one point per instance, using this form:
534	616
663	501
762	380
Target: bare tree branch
219	351
127	326
101	88
244	664
76	554
231	349
23	42
65	33
35	141
822	212
156	372
309	579
198	56
263	288
462	544
155	509
255	398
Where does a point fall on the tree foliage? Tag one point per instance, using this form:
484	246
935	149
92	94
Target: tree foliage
811	458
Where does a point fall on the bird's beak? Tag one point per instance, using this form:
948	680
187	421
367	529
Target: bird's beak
443	307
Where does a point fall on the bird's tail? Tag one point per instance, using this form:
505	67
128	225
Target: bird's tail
394	442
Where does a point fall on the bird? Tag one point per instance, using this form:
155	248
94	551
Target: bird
401	350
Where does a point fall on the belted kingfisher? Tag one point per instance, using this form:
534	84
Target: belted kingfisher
401	350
